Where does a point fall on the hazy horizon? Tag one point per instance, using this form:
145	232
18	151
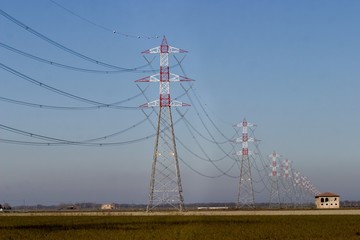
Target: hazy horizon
290	67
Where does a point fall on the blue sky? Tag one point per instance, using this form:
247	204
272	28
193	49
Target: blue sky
291	67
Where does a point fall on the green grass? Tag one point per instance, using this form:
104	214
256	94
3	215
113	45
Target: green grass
179	227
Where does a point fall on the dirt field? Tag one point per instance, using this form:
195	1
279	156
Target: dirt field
191	225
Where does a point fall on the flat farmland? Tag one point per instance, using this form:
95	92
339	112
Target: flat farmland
340	224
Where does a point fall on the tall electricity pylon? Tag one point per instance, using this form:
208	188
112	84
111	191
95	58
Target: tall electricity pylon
246	197
289	190
275	193
297	188
165	183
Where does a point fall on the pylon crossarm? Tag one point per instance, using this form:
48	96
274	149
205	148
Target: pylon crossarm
240	140
173	78
241	153
178	78
152	50
158	50
175	103
152	78
176	50
154	103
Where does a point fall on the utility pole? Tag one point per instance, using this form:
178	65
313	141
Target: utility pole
165	182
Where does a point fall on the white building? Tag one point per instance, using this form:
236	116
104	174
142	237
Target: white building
327	200
108	206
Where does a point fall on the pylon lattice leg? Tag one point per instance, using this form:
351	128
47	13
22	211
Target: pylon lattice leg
246	197
165	184
274	194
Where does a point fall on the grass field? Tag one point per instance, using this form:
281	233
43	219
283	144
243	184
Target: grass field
179	227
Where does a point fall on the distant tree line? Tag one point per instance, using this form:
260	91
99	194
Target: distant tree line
89	206
350	204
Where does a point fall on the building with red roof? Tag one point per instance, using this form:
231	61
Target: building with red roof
327	200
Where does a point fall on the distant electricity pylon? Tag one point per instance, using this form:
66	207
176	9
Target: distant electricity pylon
274	192
165	182
289	190
246	197
297	188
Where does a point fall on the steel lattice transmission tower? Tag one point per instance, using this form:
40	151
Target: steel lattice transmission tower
289	190
246	197
165	182
297	178
275	193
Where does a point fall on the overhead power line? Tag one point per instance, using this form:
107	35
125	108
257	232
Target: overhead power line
33	143
71	142
94	142
28	55
62	47
58	91
44	106
114	31
202	174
